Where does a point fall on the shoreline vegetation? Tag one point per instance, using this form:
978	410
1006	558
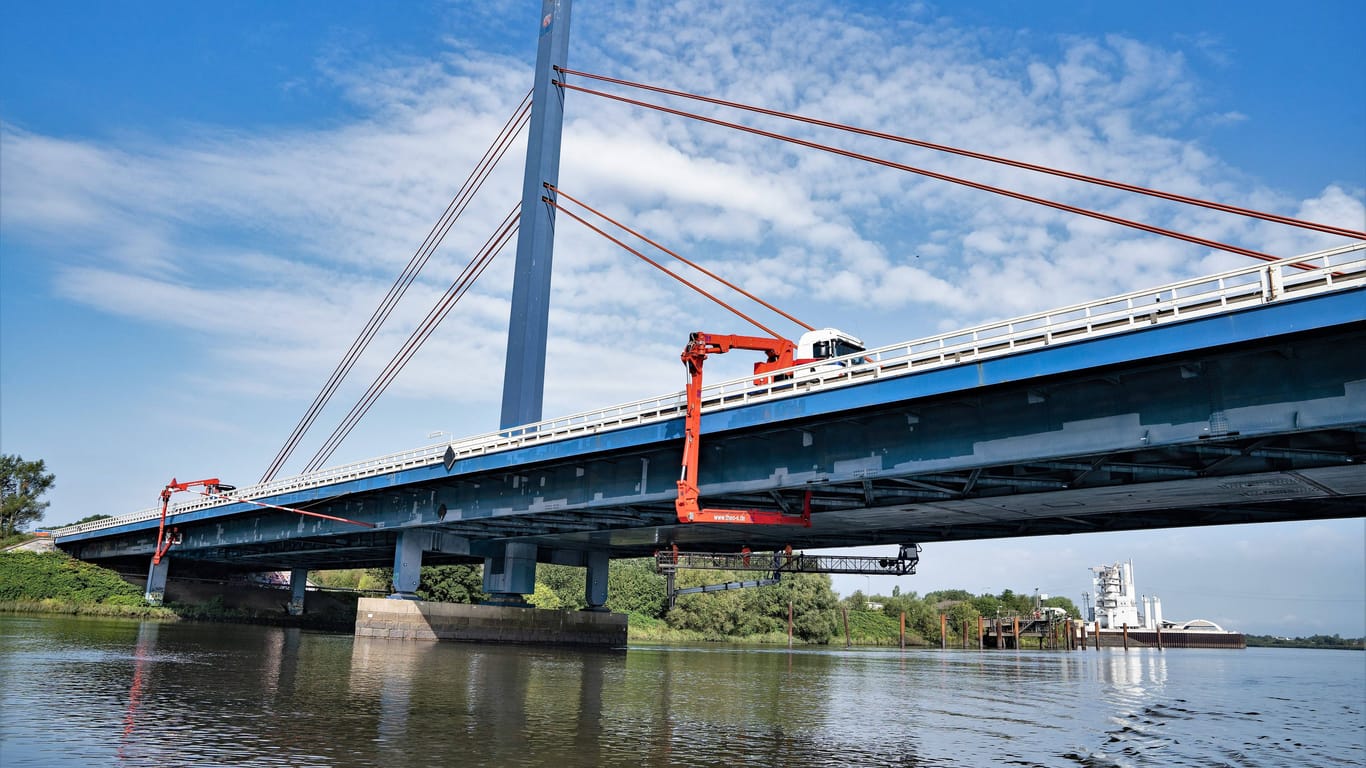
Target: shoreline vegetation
54	583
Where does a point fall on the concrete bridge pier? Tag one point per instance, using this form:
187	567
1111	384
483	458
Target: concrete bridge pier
595	585
408	558
298	586
509	577
506	618
408	564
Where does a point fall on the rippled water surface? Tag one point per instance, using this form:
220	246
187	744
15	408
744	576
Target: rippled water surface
86	692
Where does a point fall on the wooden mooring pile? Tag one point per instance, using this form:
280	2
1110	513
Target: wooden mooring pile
1017	632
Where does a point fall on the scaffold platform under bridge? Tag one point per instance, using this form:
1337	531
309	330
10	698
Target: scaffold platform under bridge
780	562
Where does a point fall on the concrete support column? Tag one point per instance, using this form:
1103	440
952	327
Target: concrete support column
595	584
156	581
298	583
509	576
408	564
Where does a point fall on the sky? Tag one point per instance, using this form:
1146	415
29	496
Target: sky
200	205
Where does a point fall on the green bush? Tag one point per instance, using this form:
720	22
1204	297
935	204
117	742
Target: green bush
32	576
873	628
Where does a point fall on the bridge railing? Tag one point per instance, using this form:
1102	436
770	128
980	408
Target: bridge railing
1324	271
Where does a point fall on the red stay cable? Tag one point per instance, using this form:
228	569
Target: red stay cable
1172	196
661	267
933	175
561	193
296	510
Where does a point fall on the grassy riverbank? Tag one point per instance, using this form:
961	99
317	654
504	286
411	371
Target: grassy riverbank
35	578
644	629
32	582
866	628
50	605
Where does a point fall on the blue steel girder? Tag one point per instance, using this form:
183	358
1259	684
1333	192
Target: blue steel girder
1254	415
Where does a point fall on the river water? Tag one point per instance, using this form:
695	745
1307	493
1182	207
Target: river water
91	692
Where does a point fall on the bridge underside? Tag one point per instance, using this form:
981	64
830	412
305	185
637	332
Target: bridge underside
1268	430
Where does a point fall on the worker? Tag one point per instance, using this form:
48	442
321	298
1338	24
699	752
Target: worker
744	555
675	548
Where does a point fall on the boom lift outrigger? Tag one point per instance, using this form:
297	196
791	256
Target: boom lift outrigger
780	354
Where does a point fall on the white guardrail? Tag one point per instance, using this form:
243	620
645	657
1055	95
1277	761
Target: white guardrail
1321	272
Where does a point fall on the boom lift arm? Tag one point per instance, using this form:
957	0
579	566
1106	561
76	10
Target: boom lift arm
213	488
779	354
164	539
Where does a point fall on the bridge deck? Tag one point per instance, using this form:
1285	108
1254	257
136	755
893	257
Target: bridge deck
604	478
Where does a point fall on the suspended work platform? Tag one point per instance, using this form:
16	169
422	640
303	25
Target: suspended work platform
724	587
779	562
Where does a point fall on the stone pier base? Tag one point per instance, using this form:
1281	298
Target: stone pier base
417	620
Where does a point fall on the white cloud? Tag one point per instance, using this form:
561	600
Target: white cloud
156	231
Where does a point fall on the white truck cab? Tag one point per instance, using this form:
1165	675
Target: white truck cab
825	343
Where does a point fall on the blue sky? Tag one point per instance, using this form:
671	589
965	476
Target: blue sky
200	205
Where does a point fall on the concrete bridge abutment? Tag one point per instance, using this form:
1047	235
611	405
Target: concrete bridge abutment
420	620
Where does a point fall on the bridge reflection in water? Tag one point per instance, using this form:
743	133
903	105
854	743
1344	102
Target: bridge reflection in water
202	694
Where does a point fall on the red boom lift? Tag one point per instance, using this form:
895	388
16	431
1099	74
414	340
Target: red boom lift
215	489
779	355
165	539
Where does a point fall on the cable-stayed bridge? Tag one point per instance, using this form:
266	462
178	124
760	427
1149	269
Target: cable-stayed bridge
1231	398
1236	398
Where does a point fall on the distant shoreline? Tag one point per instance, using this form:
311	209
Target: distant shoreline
1313	642
34	583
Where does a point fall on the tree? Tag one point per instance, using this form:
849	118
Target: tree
438	583
961	614
544	597
633	586
989	606
856	601
757	611
567	582
948	594
22	485
1064	603
452	583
